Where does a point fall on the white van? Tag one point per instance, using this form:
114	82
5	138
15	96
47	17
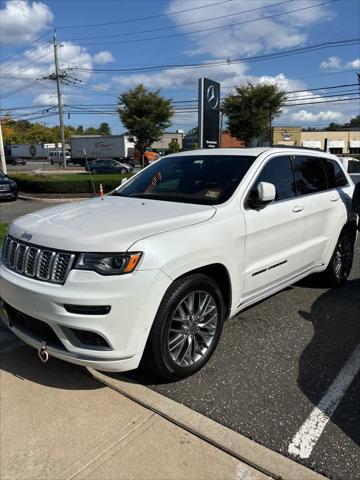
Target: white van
56	158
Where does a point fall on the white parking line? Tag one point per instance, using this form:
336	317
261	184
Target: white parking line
306	438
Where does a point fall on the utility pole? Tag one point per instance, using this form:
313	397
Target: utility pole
2	153
60	105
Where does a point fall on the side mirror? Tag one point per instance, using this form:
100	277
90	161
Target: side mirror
264	194
356	199
123	180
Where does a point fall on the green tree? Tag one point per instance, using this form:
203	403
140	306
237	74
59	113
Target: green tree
251	110
174	146
145	114
355	122
104	129
91	131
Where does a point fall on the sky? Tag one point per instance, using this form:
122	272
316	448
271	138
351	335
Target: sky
109	46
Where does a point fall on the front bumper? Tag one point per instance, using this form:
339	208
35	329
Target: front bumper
134	300
8	194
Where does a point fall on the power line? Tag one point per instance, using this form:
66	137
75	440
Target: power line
152	17
24	48
214	28
183	24
270	56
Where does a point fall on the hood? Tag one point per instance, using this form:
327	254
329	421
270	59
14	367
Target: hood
110	224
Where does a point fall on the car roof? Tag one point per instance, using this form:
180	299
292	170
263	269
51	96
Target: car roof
255	152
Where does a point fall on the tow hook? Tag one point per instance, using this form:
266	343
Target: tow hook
43	353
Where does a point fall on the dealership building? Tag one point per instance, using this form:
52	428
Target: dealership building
338	142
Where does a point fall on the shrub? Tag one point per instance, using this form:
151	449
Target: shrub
66	183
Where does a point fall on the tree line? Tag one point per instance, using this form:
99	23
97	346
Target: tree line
23	131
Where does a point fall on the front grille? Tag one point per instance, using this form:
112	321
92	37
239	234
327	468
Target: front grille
36	328
5	188
36	262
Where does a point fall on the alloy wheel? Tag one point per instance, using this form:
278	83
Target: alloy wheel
192	328
343	257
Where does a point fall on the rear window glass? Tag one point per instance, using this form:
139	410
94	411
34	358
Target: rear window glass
309	175
353	166
335	174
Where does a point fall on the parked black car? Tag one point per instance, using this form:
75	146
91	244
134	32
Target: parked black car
16	161
107	165
8	188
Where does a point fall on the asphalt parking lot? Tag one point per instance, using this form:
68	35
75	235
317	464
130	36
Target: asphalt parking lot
275	365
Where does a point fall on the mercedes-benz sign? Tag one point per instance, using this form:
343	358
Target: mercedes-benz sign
209	113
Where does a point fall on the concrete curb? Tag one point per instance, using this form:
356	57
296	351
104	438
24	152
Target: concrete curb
255	455
49	200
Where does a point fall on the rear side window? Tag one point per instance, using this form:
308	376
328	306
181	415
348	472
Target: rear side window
279	172
353	166
335	174
309	175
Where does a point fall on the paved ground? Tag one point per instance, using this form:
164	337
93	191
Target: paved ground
58	422
11	210
274	363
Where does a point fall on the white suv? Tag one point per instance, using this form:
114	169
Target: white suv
152	270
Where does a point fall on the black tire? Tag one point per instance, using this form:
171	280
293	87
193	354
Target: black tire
157	357
123	170
339	267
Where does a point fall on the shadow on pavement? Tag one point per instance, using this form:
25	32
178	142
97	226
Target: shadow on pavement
23	363
335	316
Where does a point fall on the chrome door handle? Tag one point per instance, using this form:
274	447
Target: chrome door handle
334	199
298	208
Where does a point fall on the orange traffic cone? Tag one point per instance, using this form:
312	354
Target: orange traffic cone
101	191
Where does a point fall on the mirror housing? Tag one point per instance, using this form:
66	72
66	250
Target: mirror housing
264	194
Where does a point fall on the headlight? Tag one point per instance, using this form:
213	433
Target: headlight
109	263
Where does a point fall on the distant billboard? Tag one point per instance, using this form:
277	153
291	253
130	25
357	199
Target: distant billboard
209	113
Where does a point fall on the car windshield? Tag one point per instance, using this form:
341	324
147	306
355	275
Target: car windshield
204	179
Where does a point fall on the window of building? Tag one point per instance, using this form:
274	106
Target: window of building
309	175
336	150
279	172
354	150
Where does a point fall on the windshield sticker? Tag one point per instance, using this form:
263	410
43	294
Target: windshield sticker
211	194
154	181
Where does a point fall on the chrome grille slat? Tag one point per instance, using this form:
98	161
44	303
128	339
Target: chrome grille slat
35	262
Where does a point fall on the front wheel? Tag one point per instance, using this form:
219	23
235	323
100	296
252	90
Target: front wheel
186	329
123	170
341	261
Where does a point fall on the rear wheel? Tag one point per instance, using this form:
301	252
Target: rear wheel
341	261
186	329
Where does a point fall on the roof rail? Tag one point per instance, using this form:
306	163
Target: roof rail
297	147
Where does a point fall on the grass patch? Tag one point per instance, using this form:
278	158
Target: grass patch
3	227
67	182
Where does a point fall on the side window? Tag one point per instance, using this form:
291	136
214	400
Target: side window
309	175
279	172
335	175
353	166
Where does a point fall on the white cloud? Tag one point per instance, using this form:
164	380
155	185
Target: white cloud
331	63
265	35
306	116
48	99
355	63
103	57
21	21
173	78
27	73
336	63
